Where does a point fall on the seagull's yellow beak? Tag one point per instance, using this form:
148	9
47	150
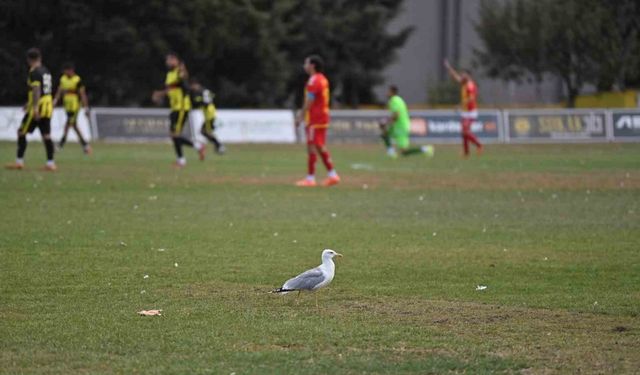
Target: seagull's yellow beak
339	255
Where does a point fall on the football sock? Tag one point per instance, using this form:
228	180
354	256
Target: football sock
311	164
22	146
326	159
48	145
332	173
187	142
386	139
177	146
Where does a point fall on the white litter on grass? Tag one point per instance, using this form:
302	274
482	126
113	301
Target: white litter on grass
36	241
230	224
175	264
153	198
68	221
135	206
434	234
143	291
484	230
145	276
152	185
98	182
505	249
275	234
161	249
92	200
123	244
481	287
365	186
362	166
294	241
545	258
333	214
421	198
150	312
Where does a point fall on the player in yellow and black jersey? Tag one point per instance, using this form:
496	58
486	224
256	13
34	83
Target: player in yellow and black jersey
176	90
72	90
202	98
38	110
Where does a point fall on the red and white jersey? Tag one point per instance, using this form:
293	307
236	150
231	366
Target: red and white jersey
318	114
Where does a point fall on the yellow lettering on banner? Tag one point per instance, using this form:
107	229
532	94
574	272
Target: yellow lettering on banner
574	124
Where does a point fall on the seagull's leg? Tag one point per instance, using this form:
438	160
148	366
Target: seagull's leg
298	298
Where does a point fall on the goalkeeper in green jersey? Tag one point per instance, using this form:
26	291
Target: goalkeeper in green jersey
396	129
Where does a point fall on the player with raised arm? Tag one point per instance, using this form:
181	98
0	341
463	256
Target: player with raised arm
38	110
72	90
469	103
202	98
315	116
176	89
396	129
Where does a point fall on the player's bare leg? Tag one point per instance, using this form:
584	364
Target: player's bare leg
86	148
63	140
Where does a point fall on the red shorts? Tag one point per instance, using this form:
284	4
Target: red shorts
316	135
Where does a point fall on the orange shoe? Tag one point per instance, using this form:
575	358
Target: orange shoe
480	150
201	151
14	166
306	183
50	168
330	181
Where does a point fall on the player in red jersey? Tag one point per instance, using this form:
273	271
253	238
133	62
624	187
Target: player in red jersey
469	102
315	115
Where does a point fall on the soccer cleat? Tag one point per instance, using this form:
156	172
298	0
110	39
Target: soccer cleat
87	150
14	166
306	183
49	168
221	150
428	150
201	151
178	165
479	150
330	181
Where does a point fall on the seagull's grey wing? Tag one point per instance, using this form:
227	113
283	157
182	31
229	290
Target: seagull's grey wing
306	280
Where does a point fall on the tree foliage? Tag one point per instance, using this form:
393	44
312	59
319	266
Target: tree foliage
579	41
249	51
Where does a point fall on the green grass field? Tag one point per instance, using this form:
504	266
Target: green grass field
552	231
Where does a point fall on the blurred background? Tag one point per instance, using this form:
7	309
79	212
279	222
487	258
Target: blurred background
527	53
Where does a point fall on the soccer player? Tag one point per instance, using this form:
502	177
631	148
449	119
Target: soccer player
202	98
176	89
315	115
72	90
38	110
469	102
395	130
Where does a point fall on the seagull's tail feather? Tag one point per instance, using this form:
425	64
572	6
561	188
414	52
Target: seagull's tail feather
282	290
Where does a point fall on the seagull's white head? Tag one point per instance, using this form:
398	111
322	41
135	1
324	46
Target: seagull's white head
328	254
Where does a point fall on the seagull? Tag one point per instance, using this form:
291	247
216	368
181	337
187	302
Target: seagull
313	279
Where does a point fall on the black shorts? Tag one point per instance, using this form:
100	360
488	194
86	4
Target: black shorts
177	119
29	124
